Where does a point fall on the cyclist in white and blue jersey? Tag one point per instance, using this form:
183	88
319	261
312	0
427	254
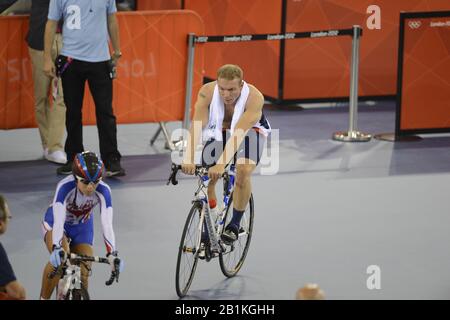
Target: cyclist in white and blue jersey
68	224
229	117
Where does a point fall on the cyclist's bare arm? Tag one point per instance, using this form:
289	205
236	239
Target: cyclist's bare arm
200	120
251	115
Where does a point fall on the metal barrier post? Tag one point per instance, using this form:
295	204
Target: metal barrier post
189	81
353	135
162	127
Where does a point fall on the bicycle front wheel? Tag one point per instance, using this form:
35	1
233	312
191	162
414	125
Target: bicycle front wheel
77	294
188	251
232	259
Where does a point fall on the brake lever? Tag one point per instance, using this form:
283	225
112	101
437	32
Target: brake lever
111	278
173	175
115	273
117	268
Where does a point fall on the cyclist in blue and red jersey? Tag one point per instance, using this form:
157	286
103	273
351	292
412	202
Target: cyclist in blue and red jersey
68	224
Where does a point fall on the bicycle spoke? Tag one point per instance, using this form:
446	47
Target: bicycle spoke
187	255
232	260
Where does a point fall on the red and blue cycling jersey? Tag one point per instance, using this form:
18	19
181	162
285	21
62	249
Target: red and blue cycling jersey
71	213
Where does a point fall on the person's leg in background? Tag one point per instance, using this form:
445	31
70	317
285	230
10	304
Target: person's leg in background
73	82
41	85
57	115
50	119
101	87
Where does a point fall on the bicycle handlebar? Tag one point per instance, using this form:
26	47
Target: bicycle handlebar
77	258
199	171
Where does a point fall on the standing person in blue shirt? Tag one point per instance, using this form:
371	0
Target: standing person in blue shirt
8	282
85	56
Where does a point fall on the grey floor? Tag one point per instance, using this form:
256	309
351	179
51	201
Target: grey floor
332	210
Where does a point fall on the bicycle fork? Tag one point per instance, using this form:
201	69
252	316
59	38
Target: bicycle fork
71	278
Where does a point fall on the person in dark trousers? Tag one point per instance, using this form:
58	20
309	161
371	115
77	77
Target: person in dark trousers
10	288
85	56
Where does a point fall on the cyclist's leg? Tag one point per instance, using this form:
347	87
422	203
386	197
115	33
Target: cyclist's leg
248	156
82	241
211	152
47	226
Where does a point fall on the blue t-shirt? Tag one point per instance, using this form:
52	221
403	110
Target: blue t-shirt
6	271
85	28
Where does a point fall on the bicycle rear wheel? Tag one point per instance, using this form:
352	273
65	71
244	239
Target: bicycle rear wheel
232	259
188	251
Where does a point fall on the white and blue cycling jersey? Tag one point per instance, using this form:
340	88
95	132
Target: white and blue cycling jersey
71	213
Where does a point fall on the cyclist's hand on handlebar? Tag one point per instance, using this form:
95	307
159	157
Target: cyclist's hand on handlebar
188	168
216	172
116	263
57	256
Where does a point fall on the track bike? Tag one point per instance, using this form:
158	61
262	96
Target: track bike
193	247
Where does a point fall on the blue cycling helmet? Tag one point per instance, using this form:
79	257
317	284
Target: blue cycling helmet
87	166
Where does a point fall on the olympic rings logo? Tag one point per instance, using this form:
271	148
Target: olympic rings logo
414	24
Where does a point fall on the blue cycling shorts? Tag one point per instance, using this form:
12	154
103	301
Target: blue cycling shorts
82	233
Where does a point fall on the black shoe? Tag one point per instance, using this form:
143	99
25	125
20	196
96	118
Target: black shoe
65	169
230	234
113	168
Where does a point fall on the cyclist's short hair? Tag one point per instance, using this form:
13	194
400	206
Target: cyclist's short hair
2	208
230	72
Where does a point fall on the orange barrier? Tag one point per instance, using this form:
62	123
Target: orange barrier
158	4
151	74
260	60
316	69
319	68
16	84
424	96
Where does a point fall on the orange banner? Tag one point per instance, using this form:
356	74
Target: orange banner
151	81
425	80
319	68
314	68
158	4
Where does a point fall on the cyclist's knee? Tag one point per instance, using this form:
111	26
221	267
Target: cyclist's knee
243	173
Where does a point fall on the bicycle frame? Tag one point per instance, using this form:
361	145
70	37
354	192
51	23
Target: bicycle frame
213	229
201	223
70	280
